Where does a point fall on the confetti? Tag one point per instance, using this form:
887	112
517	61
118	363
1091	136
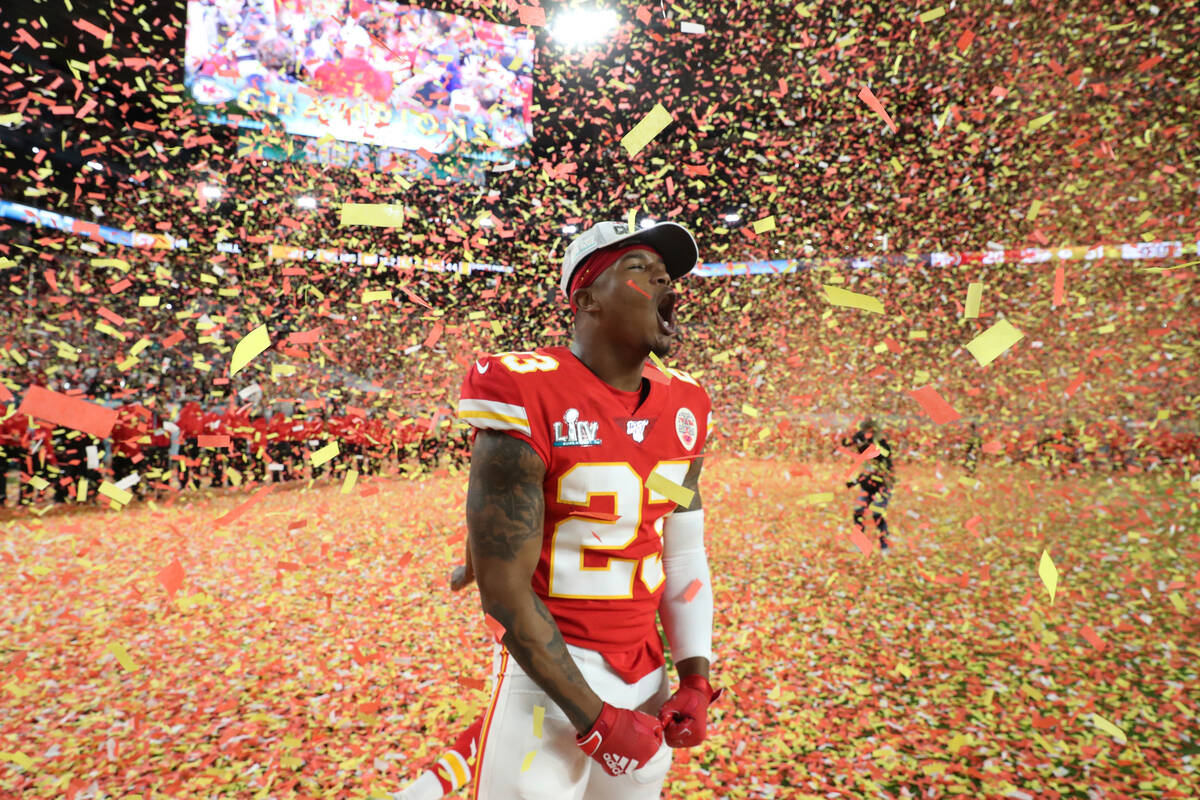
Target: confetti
324	454
70	412
1048	573
379	215
992	343
677	494
641	134
248	348
843	297
122	656
933	405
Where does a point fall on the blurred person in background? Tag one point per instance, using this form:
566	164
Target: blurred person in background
875	480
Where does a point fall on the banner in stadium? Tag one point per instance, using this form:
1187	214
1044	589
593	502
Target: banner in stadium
372	72
1136	251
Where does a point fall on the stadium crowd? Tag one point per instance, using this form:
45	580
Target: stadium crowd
789	372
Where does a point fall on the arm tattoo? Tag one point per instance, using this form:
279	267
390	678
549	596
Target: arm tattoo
505	517
505	503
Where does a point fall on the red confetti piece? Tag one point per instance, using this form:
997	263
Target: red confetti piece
867	96
532	15
495	627
69	412
171	578
933	405
693	588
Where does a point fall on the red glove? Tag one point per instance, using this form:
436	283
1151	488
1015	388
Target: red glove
685	715
621	740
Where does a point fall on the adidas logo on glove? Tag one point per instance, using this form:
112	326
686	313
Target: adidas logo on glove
619	765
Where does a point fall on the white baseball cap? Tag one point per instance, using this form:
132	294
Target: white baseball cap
670	240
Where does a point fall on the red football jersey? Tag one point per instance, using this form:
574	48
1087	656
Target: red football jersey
600	573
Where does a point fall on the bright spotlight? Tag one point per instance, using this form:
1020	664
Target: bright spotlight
583	26
648	223
732	217
306	202
570	228
210	192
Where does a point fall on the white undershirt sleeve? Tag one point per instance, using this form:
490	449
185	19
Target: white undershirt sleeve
687	623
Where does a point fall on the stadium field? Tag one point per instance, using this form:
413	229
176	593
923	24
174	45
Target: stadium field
303	642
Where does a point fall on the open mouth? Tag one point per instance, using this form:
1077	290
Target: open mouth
666	314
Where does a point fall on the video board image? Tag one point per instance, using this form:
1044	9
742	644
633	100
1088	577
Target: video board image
371	72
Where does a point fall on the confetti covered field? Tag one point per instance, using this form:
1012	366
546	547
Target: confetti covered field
311	648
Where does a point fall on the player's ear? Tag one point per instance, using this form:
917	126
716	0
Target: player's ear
585	299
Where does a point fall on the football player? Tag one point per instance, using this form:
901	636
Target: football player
875	480
583	510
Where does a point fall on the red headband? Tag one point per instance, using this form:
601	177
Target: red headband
593	267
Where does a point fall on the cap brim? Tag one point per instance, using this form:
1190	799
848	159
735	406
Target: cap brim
673	242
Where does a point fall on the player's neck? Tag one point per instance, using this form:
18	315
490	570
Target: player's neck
618	369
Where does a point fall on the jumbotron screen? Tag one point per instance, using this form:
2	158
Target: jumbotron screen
371	72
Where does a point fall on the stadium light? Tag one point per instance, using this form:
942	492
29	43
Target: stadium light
570	228
307	202
210	192
583	26
732	217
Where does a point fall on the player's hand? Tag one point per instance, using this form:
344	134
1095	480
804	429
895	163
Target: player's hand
621	740
685	715
461	577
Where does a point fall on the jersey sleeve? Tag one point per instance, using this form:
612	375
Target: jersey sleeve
703	402
492	399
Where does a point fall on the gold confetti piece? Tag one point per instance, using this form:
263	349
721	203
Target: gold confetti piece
20	759
818	498
148	301
974	295
539	715
1177	601
658	362
765	224
119	263
250	346
1109	728
931	15
379	215
749	411
375	295
989	345
349	481
1038	122
528	761
326	453
115	493
670	490
1034	208
12	119
848	299
1048	573
122	656
642	133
